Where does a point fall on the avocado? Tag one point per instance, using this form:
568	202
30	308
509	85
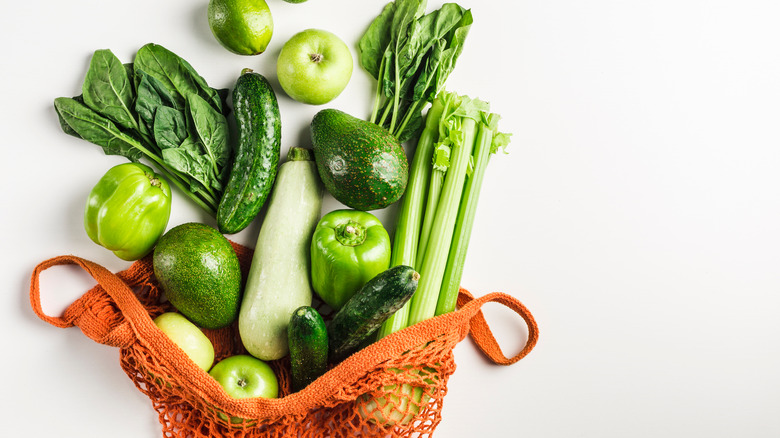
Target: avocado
360	163
200	274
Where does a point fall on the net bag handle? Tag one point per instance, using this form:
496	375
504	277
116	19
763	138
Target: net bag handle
480	330
92	313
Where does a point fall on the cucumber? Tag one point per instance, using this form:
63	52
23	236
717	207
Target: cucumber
278	279
256	159
308	340
362	315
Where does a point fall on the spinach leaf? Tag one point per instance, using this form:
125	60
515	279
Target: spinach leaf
410	54
108	89
455	40
188	159
170	127
211	128
438	33
153	94
63	118
91	126
406	12
372	44
413	46
404	31
175	73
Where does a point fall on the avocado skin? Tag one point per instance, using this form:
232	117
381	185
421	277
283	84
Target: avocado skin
361	164
200	274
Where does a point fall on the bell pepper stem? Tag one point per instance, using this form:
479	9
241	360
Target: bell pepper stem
351	233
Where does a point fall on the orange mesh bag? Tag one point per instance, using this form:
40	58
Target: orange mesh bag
392	388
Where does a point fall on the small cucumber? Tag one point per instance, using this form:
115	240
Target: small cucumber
257	155
308	339
362	315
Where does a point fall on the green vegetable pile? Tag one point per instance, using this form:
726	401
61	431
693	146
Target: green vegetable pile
159	109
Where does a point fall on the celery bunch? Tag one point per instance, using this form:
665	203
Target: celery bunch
438	209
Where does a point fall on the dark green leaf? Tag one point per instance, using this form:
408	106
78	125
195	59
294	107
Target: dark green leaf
152	93
93	127
424	84
456	39
418	36
63	122
211	129
406	12
108	89
170	127
374	42
437	31
175	73
188	159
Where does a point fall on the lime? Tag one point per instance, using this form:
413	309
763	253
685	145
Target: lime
241	26
295	1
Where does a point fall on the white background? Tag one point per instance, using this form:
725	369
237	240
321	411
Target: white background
636	215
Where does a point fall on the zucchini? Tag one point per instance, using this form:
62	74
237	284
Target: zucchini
308	339
256	159
278	280
362	315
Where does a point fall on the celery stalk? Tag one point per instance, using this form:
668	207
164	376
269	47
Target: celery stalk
407	230
448	295
434	259
434	193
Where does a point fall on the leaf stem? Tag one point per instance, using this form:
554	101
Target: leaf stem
396	97
405	121
378	95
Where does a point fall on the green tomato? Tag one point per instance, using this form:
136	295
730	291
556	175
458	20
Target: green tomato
348	248
128	210
245	376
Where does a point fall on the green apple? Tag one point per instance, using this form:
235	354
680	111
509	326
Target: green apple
188	337
314	66
244	376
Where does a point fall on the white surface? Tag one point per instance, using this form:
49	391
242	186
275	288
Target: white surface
636	215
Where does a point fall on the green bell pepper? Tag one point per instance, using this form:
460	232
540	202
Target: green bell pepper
348	248
127	210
